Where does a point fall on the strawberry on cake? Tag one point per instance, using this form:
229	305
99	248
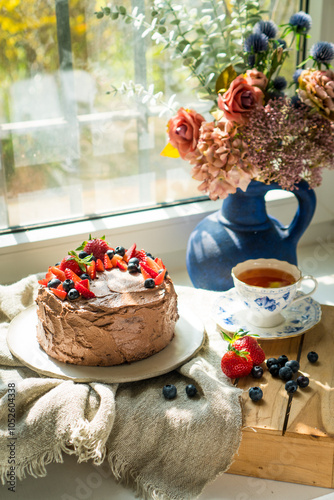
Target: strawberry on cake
104	306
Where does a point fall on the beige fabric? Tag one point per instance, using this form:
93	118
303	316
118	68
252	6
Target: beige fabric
162	449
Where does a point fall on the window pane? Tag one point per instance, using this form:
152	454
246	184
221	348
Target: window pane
70	149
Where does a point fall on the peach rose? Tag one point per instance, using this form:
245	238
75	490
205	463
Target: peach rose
239	100
183	130
256	78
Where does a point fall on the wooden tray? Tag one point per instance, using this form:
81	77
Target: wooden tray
291	438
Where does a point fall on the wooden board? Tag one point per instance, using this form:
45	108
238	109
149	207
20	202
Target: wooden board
291	438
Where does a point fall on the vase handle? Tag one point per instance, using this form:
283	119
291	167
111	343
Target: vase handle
305	211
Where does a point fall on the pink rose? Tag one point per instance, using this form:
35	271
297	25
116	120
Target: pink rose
239	100
183	130
256	78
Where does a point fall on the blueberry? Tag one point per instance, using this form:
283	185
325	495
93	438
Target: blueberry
148	254
73	294
85	276
110	253
282	359
54	283
120	251
303	381
68	285
257	371
82	254
274	369
134	261
132	268
149	283
169	391
293	364
312	357
255	393
285	373
191	390
271	361
291	386
57	264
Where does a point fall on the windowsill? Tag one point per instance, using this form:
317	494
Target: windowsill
162	231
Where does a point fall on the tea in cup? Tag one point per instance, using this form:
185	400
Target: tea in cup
267	286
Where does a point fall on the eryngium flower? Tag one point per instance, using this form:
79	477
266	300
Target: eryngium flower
220	161
255	43
316	89
301	21
281	42
289	143
280	83
268	28
322	52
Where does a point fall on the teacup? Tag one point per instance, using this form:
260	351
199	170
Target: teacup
265	303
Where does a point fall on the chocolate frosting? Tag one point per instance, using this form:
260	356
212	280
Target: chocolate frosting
125	322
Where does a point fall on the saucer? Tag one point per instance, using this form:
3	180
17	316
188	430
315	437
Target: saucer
229	312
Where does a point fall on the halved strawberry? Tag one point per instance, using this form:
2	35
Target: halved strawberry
49	276
43	282
61	294
60	287
153	274
69	262
161	276
122	265
84	283
107	262
99	265
153	265
141	255
145	274
130	253
58	273
91	270
72	276
87	294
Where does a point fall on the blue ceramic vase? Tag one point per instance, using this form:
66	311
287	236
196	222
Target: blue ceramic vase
243	230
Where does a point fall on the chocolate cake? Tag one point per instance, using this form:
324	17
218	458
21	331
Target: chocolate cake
120	314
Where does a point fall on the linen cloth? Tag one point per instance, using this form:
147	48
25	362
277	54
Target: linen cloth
162	449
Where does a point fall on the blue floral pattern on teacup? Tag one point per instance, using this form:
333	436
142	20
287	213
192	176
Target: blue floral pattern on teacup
267	303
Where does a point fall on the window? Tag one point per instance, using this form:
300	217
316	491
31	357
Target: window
70	150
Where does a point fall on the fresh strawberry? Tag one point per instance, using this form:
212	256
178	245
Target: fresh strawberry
72	276
141	255
84	283
59	293
152	264
145	274
70	263
58	273
153	274
236	364
242	341
161	276
95	246
87	294
99	265
91	269
60	287
43	282
49	276
130	253
107	263
122	265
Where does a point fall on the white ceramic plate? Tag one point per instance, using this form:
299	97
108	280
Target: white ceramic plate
22	342
230	314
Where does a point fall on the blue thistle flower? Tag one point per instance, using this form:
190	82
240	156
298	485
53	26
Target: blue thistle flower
322	52
280	83
301	21
296	102
256	42
268	28
297	74
281	42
